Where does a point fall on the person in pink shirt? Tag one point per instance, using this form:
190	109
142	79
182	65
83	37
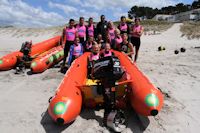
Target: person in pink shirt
90	31
118	39
111	34
76	50
136	33
89	43
107	51
123	26
81	28
69	33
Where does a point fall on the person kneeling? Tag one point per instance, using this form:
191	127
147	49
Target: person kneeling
107	51
76	50
126	47
23	61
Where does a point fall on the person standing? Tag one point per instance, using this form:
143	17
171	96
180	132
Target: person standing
90	31
111	34
123	26
118	39
136	32
102	28
81	28
69	33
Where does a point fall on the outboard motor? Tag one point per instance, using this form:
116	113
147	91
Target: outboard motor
108	71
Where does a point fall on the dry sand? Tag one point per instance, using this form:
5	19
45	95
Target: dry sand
24	98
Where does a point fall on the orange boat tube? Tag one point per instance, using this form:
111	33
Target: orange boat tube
145	98
9	61
47	59
65	106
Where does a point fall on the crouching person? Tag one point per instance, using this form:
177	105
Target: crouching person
76	50
21	61
107	51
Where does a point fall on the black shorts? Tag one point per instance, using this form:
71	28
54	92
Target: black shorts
136	42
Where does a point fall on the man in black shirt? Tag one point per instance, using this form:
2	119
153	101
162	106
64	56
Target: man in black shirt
102	27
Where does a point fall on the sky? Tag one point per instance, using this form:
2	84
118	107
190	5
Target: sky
44	13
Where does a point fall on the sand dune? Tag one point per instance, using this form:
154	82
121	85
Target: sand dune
24	98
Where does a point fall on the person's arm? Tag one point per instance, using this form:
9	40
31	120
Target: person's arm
142	30
130	45
63	36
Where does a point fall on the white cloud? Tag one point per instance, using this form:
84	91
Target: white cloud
21	14
103	4
72	12
17	12
66	8
75	1
114	7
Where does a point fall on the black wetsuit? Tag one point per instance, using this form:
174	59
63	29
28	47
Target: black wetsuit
102	29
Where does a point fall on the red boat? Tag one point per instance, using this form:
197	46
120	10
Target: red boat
76	90
9	61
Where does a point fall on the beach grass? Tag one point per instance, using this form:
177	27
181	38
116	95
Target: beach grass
191	30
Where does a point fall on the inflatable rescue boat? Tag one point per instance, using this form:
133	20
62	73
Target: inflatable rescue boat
9	61
130	86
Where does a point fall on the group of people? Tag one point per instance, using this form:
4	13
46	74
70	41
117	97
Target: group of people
100	39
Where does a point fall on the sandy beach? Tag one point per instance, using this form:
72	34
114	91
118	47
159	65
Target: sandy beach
24	98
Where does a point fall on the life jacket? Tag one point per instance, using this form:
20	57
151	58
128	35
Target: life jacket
111	33
136	29
106	54
81	30
118	40
91	30
123	28
77	50
70	34
94	57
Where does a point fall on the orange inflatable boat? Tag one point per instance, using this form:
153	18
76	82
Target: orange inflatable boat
47	59
75	91
9	61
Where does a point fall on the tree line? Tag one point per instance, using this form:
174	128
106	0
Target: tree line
149	12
